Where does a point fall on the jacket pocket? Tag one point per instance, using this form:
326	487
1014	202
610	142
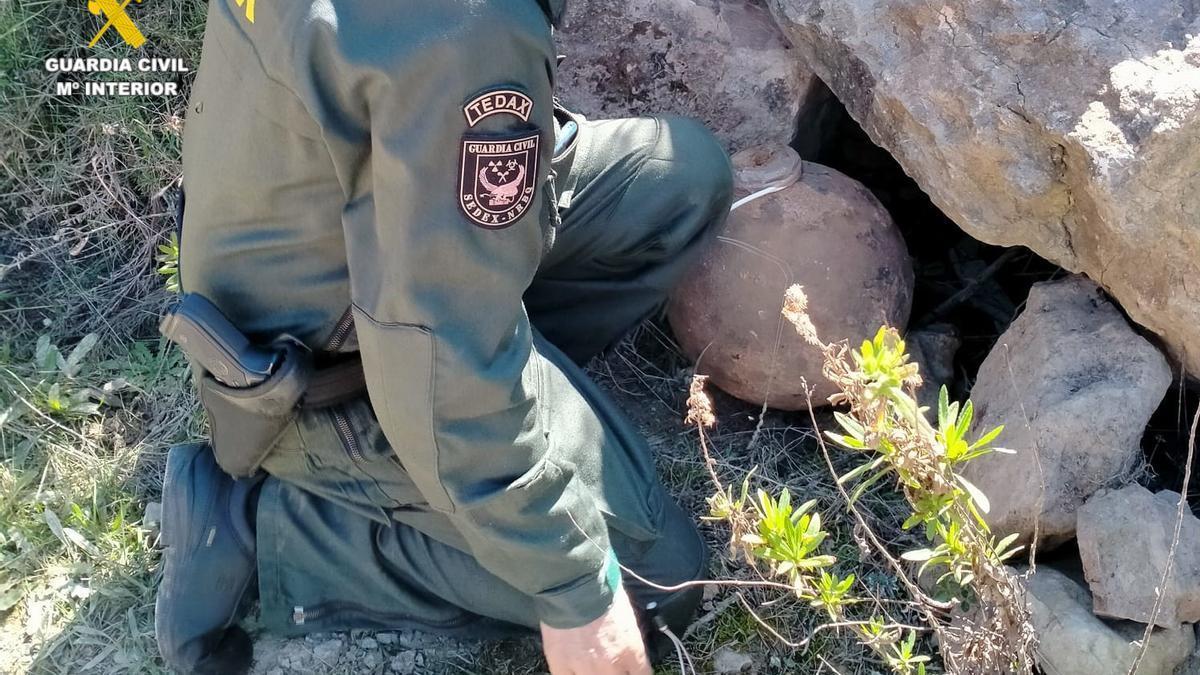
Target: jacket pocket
401	391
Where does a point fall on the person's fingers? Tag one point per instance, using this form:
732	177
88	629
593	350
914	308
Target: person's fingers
635	664
557	668
566	667
637	669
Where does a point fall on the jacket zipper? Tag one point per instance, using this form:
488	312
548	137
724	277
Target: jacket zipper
349	442
301	614
555	216
337	413
340	331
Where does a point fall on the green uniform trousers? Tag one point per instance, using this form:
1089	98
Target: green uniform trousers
396	163
345	538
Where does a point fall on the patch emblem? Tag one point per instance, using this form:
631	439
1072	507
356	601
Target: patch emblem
497	179
495	102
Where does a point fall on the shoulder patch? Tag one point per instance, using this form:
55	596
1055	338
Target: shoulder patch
498	101
497	178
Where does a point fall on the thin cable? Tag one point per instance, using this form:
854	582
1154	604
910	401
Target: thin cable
761	193
762	415
685	660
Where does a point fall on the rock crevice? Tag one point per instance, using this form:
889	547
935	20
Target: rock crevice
1069	128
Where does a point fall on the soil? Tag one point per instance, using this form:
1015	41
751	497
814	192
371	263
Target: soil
399	653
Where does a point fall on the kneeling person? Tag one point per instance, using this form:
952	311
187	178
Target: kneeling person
398	190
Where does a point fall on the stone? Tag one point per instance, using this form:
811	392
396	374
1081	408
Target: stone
729	660
328	652
724	62
293	655
1074	387
1069	127
153	515
407	662
37	617
933	349
1073	641
822	230
1125	540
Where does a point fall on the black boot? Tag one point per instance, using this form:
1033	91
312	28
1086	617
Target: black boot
209	564
666	617
679	556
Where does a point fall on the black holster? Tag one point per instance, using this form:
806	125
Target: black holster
272	382
245	423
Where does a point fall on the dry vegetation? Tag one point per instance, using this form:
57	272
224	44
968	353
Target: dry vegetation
85	196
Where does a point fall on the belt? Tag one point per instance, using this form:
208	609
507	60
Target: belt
336	383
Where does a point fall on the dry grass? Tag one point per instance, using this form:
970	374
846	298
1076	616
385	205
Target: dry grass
85	193
650	379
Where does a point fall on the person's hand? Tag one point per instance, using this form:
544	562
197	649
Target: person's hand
610	645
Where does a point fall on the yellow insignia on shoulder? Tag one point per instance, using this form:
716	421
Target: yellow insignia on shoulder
249	8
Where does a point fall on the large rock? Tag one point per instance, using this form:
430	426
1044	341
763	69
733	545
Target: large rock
1069	126
1071	382
1124	541
1073	641
824	231
722	61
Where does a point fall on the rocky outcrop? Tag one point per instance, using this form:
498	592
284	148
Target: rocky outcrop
724	62
1073	641
1074	387
1070	127
1124	540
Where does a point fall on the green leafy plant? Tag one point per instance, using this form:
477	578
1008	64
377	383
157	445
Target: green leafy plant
787	538
881	420
902	658
168	262
877	384
832	593
924	461
55	392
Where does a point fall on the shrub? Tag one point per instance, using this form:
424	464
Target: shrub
983	624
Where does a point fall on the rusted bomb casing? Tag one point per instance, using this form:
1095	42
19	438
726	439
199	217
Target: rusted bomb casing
822	230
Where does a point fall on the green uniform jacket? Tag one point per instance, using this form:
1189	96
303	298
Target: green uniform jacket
358	199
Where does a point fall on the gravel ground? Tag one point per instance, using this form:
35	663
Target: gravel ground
401	653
